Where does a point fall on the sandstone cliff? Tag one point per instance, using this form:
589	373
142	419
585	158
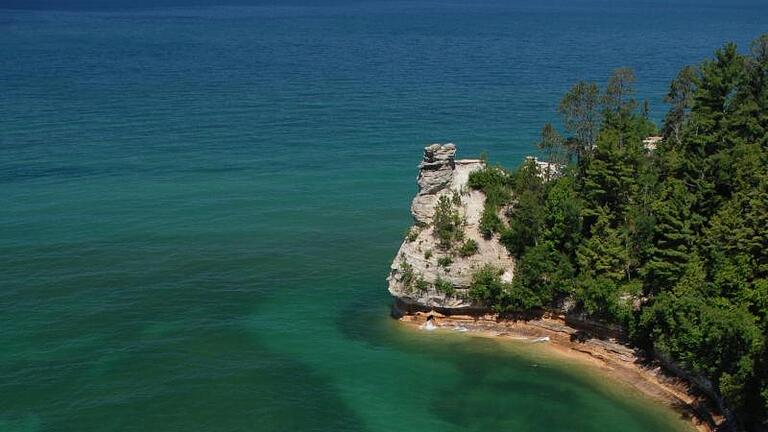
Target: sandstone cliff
426	272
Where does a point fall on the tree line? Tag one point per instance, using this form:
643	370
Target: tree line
669	242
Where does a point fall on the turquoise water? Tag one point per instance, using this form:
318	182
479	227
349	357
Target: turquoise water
199	205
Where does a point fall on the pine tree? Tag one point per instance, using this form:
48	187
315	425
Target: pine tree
609	177
713	102
603	254
526	220
750	119
618	104
708	139
740	226
545	271
563	207
672	239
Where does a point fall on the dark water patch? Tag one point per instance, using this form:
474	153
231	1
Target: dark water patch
176	378
10	174
367	321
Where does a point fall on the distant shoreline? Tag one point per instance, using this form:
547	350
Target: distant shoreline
613	359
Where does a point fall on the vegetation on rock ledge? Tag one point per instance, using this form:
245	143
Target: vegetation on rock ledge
468	248
448	224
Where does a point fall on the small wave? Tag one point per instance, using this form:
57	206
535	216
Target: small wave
429	326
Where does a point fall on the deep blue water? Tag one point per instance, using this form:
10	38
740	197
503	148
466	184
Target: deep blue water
199	203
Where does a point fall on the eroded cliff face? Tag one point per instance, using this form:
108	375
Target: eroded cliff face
425	272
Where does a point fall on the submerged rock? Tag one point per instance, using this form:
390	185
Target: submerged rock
427	274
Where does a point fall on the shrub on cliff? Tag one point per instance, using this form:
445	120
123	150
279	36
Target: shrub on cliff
518	297
408	276
468	248
495	183
448	224
486	286
412	234
421	285
444	286
490	222
488	178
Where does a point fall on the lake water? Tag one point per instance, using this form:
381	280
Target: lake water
199	204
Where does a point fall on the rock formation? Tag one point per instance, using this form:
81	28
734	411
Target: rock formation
422	262
435	176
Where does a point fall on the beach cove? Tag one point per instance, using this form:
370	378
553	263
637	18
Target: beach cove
200	206
608	362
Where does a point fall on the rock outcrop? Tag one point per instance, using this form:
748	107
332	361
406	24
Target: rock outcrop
435	176
422	262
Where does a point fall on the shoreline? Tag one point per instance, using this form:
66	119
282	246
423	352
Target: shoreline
611	358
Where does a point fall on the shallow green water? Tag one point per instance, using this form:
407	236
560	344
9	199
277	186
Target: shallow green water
199	205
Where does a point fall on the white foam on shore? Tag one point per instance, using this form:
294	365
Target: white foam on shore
429	326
